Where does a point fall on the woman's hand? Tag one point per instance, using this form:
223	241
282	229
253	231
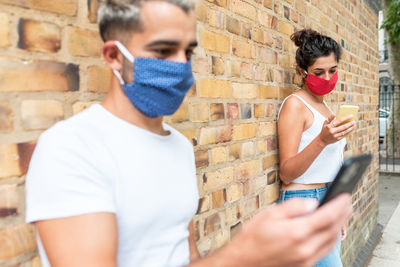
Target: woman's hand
332	133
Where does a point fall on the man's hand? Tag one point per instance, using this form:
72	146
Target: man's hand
289	234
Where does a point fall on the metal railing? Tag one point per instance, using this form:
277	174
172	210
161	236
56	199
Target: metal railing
389	128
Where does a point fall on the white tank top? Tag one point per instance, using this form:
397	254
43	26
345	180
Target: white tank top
327	164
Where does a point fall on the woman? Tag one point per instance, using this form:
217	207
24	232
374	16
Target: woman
311	142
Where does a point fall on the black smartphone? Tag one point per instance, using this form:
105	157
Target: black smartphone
348	176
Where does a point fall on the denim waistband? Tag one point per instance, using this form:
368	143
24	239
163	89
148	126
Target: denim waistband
305	191
317	193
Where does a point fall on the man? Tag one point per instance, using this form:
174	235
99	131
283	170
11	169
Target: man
114	186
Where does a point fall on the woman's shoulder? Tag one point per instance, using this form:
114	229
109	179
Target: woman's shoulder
293	103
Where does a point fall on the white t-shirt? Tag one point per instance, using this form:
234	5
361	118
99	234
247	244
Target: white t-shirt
96	162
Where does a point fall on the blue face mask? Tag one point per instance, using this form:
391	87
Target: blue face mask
159	86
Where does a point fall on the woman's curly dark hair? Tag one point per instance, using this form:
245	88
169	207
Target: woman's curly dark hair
313	45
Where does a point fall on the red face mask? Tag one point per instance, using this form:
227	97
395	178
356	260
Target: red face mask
321	86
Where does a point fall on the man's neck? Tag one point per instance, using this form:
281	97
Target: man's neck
118	104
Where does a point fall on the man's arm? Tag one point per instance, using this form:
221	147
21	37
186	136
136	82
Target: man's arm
80	241
194	252
288	234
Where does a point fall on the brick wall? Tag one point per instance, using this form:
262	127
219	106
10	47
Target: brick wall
51	68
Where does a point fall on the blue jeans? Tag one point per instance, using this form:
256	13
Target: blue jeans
332	259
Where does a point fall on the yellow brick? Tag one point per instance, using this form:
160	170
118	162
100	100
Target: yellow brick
235	69
300	6
284	92
264	18
244	131
4	30
233	25
199	112
9	161
38	76
201	12
284	61
39	36
41	114
80	106
221	3
244	91
234	151
93	6
232	214
218	155
216	179
267	92
190	134
214	88
314	13
268	4
218	65
67	7
234	192
17	240
214	41
84	43
269	161
259	110
257	35
247	169
199	65
249	206
218	198
217	111
98	79
285	27
35	262
204	204
267	128
268	40
247	71
215	18
294	16
268	56
215	134
8	200
270	195
242	49
6	117
261	146
201	157
182	114
220	240
244	9
248	149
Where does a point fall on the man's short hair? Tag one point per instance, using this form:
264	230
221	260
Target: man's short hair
119	17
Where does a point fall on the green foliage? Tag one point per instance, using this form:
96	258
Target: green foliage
392	21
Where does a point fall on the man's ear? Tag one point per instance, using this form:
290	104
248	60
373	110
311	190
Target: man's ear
112	56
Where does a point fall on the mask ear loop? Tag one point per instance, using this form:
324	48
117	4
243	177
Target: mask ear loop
116	73
125	51
126	54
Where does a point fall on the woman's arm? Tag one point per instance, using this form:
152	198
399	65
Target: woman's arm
291	124
85	240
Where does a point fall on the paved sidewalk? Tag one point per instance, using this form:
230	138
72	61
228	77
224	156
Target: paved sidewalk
387	252
389	197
